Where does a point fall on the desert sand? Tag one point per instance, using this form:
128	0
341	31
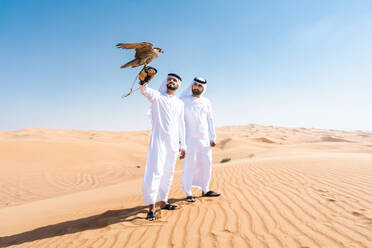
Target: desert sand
283	187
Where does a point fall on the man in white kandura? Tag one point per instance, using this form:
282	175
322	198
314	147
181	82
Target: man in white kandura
167	142
200	137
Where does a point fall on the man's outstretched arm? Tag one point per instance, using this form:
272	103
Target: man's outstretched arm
149	93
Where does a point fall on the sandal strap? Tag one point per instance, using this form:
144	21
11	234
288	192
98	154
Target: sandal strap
190	199
169	206
150	215
211	193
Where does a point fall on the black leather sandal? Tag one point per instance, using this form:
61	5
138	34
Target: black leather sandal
190	199
169	206
150	216
211	193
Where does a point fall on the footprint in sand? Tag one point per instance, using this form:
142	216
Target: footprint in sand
355	213
366	219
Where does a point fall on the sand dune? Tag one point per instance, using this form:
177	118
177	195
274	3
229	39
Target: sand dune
333	139
283	187
265	140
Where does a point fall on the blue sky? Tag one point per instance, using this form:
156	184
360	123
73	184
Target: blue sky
283	63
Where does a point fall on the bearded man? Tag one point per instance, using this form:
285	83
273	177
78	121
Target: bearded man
167	142
200	138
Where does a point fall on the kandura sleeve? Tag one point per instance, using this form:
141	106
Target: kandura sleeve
182	129
151	94
212	133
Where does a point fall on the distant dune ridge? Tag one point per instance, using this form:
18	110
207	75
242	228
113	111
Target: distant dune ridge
283	187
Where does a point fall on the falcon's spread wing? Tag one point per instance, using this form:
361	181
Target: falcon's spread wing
142	48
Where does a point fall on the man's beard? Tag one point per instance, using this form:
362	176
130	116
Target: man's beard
171	87
196	92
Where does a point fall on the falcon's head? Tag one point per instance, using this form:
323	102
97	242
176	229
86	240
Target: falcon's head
158	50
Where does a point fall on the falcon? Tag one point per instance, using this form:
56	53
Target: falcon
144	53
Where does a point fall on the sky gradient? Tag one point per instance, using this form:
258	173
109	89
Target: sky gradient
282	63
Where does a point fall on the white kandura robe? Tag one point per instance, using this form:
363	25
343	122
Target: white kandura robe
168	136
199	133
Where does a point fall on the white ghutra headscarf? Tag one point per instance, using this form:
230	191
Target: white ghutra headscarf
163	86
188	91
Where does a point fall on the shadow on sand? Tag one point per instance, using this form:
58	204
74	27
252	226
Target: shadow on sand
68	227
